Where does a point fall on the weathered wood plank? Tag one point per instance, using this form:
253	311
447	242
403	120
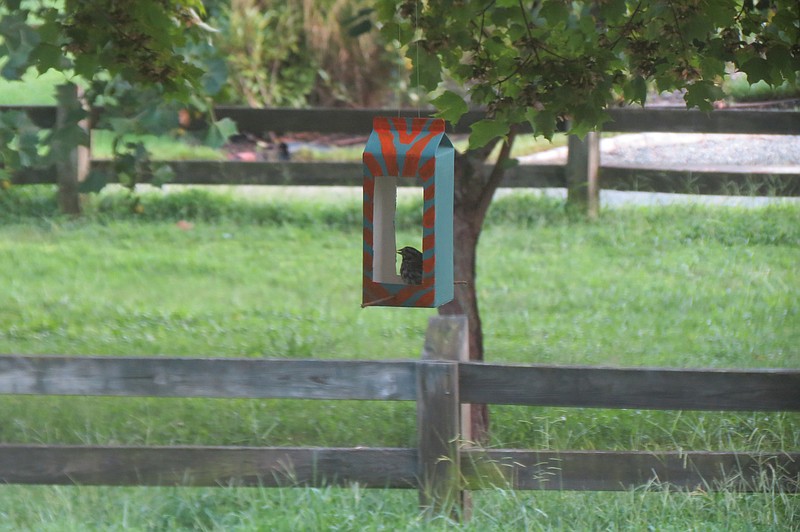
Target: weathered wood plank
315	174
583	173
622	470
650	388
72	165
204	377
742	181
207	466
261	173
535	176
322	120
394	468
35	176
678	120
359	121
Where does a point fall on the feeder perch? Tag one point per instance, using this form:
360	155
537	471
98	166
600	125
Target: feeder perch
416	149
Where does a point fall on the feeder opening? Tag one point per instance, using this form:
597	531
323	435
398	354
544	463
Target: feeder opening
387	241
410	198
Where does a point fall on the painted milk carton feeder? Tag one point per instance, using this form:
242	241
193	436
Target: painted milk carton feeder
416	149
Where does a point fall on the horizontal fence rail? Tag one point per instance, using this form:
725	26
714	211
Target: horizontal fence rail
766	181
639	388
208	377
533	385
207	466
395	468
359	121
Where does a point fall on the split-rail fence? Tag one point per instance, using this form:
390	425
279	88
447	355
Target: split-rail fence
444	464
583	175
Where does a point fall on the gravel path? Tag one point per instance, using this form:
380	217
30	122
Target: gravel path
689	151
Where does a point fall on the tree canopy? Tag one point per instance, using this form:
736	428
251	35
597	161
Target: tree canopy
544	60
141	60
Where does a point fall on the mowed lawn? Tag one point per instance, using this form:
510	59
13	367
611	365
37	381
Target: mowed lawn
660	286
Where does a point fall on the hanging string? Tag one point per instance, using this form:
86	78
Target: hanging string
398	98
416	25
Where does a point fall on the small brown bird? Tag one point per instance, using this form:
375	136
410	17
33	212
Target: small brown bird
411	267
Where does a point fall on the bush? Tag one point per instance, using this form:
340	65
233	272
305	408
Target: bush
30	201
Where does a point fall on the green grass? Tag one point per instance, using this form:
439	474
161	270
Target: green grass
161	147
741	90
355	509
666	286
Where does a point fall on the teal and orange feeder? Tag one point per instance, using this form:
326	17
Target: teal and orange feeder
416	149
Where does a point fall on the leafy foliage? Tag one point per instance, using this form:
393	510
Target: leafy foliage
305	52
541	61
143	62
263	44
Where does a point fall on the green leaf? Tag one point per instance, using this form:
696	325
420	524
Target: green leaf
19	40
86	65
215	76
47	56
510	163
613	9
227	127
219	132
702	94
757	69
780	59
451	106
404	33
486	130
635	90
555	12
542	122
427	69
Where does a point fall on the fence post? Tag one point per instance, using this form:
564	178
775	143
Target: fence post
439	418
583	174
71	167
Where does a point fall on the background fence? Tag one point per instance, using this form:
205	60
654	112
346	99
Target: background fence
443	464
584	174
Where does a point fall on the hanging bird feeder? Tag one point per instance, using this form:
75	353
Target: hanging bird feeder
416	149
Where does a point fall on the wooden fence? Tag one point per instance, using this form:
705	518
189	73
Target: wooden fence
584	174
443	464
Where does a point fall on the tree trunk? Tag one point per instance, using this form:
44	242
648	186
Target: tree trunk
474	189
465	303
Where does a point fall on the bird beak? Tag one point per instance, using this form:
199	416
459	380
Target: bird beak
399	252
